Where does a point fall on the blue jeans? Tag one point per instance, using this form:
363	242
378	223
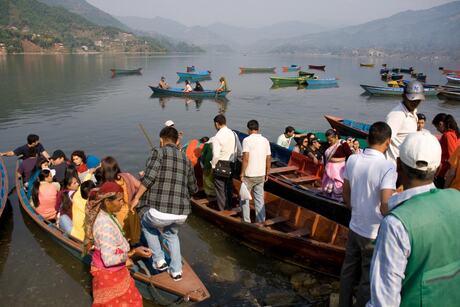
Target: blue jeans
65	223
256	186
154	230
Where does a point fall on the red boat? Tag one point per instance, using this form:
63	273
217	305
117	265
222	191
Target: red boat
451	71
318	67
347	127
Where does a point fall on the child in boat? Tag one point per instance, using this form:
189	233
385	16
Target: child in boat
44	195
64	204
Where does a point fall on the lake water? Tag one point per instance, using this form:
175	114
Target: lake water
72	102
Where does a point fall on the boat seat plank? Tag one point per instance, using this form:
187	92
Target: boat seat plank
278	219
284	169
300	232
304	179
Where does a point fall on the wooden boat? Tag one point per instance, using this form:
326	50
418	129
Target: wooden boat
450	71
325	81
289	232
248	70
453	79
366	65
179	92
194	74
348	127
449	95
306	74
156	287
317	67
392	76
393	91
406	70
137	71
396	70
3	186
296	178
293	67
288	80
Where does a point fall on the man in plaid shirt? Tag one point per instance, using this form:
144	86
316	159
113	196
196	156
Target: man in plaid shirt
163	200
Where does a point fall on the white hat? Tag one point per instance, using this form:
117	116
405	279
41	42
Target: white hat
169	123
52	171
419	147
414	91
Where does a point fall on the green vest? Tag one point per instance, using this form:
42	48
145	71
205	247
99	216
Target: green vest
432	276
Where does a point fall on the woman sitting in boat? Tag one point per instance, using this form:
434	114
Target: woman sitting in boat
301	146
335	156
188	87
112	282
44	195
79	200
64	203
129	220
163	84
313	151
223	87
41	164
198	87
78	159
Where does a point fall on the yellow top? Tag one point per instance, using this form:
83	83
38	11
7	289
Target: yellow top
78	212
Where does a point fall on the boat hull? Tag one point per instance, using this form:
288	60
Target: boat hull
194	75
137	71
318	67
449	95
330	81
345	130
3	186
165	287
248	70
288	80
366	65
393	91
290	68
178	92
453	79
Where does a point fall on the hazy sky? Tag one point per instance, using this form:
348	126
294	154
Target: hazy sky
263	12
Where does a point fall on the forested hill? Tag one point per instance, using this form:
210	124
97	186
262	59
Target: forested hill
31	26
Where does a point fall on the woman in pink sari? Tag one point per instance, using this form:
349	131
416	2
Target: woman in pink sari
335	156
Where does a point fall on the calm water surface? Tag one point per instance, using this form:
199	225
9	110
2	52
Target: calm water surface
73	103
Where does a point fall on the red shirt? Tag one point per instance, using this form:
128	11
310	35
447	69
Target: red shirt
449	143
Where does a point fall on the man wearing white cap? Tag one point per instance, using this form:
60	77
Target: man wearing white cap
170	123
417	255
403	118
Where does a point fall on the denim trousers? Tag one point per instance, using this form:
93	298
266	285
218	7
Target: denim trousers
155	230
256	186
65	223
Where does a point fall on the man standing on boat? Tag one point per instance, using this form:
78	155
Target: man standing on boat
417	257
166	189
225	151
254	170
369	182
403	118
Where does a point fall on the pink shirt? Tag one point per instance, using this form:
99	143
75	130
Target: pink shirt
47	195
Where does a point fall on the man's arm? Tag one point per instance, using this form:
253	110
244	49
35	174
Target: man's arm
346	193
385	195
268	166
244	164
7	154
387	188
215	152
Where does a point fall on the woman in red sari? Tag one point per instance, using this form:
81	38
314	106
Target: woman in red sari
112	283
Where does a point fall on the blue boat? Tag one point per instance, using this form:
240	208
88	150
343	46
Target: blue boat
3	186
179	92
154	286
195	74
393	91
326	81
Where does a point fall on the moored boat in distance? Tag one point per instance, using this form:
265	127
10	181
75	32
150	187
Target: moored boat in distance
453	79
348	127
318	67
116	71
179	92
194	74
3	186
247	70
288	80
306	74
366	65
325	81
290	232
393	91
450	71
451	95
152	285
293	67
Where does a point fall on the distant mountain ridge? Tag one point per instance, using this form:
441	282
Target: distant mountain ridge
424	31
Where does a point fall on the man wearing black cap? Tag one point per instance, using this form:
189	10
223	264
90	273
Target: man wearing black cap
59	161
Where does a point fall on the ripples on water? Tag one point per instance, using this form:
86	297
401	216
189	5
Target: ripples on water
73	103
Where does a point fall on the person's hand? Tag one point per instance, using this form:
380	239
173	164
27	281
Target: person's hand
143	252
141	174
129	263
266	178
133	204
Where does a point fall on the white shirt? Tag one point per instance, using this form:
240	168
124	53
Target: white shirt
283	141
402	122
391	252
258	148
223	146
188	88
368	174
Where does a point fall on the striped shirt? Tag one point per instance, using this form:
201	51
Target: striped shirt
170	182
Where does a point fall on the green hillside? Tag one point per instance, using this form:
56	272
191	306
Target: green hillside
26	24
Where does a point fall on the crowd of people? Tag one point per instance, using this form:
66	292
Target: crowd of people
403	230
223	86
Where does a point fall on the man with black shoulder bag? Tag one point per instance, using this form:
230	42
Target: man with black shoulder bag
226	148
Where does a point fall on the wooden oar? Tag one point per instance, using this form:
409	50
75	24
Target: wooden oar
146	136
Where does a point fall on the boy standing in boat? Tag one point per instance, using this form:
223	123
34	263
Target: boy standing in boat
254	170
369	182
166	189
28	150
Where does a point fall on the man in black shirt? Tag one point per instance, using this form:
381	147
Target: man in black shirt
28	150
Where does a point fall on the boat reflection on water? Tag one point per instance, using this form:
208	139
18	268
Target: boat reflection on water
6	231
281	85
194	79
320	86
222	102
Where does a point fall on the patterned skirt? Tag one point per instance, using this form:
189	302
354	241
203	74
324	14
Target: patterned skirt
114	288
